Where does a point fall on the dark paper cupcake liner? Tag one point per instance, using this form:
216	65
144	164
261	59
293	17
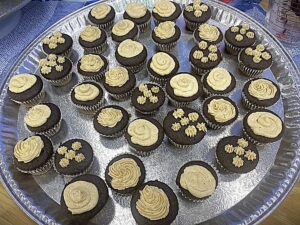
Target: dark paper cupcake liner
137	68
61	82
209	94
166	47
99	49
34	101
39	171
252	140
191	25
123	96
97	77
136	38
53	130
199	71
176	103
90	109
141	153
144	27
212	125
115	135
233	50
106	26
249	105
179	145
161	81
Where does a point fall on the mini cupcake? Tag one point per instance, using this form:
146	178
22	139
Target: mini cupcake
236	155
184	127
58	44
132	55
209	33
33	155
238	38
260	93
218	82
183	88
124	29
83	198
144	135
43	119
204	57
195	14
147	98
93	40
125	173
87	96
73	158
57	70
165	10
262	126
26	89
161	209
219	111
119	83
103	15
111	121
197	180
92	67
254	60
139	14
162	66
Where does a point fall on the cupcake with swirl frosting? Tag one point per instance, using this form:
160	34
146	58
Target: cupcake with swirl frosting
262	126
125	173
165	10
102	15
93	40
124	29
154	203
83	198
209	33
139	14
33	155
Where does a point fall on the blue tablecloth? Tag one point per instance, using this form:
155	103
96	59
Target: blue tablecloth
38	16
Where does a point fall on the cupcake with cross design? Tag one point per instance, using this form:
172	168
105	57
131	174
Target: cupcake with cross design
58	44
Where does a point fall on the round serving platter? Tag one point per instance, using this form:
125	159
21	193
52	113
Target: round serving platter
239	199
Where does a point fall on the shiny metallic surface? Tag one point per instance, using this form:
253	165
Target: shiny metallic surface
239	199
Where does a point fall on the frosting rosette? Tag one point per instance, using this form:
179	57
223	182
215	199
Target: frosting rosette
129	48
37	115
162	63
222	110
262	89
90	33
116	77
100	11
208	32
219	79
109	117
86	92
165	30
122	27
164	8
184	85
29	149
21	82
91	63
136	10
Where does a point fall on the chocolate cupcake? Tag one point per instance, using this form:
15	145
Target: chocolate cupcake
92	67
218	82
124	29
165	10
165	35
33	155
260	93
132	55
58	44
254	60
219	111
144	135
111	121
236	155
209	33
197	180
238	38
103	15
83	198
73	158
184	127
147	98
125	173
154	203
162	66
26	89
183	89
119	83
57	70
139	14
195	14
44	118
87	96
204	57
93	39
262	126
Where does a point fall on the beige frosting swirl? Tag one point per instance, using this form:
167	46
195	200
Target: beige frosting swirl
222	110
265	124
122	27
29	149
100	11
262	89
143	132
208	32
21	82
116	77
162	63
164	8
90	33
165	30
109	117
219	79
153	203
130	48
184	85
136	10
81	197
198	180
37	115
86	92
125	173
91	63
